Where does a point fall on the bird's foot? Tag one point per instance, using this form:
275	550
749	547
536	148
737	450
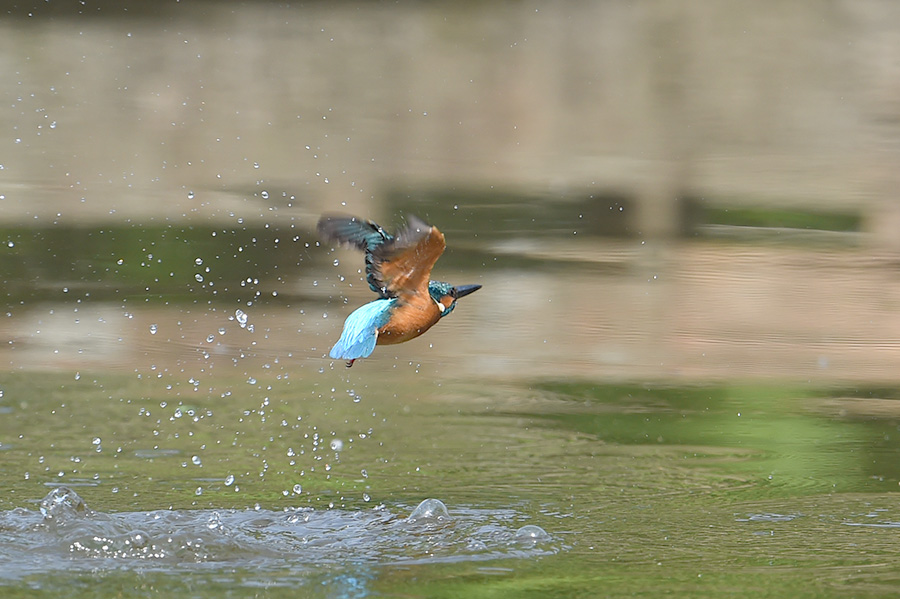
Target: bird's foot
350	362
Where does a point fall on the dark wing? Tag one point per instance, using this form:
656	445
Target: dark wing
406	262
395	265
361	234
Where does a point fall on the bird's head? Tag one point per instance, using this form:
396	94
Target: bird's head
446	294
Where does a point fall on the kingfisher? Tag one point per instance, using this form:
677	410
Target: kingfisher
398	269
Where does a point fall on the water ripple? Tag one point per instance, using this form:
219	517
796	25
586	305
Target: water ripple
66	535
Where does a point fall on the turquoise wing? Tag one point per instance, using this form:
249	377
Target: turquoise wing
361	330
363	235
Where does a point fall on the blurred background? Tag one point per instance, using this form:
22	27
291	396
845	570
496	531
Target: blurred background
685	219
645	189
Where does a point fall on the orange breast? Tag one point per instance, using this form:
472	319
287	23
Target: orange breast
410	320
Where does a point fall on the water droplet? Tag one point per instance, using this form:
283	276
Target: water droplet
190	195
337	444
199	491
153	329
241	317
214	521
198	261
196	460
229	480
210	338
264	195
94	441
336	262
199	277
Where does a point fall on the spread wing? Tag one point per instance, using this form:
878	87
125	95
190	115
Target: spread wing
361	234
406	262
395	265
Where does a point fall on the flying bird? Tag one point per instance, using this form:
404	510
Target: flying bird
398	269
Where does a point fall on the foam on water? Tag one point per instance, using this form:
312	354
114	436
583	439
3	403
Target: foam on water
65	535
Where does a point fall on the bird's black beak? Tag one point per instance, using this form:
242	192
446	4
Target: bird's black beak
464	290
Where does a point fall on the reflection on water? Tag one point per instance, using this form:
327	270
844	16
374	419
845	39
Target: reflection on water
692	310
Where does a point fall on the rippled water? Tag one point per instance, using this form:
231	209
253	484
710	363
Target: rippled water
286	484
67	537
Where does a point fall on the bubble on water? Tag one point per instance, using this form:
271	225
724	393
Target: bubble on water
190	195
196	460
336	262
153	328
532	533
229	480
198	491
199	277
210	338
198	261
337	444
297	489
264	195
430	509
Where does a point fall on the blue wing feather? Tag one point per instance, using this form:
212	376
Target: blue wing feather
361	330
361	234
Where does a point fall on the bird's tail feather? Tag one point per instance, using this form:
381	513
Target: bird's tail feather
361	330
